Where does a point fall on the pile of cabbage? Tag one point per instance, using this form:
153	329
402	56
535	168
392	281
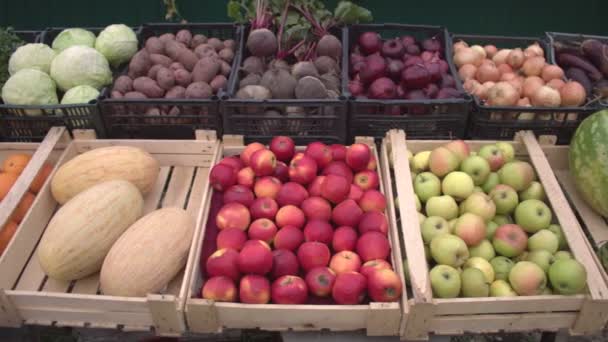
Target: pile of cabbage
77	65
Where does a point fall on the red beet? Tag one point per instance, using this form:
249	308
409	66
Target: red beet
383	88
400	91
370	42
373	69
356	88
393	48
447	81
416	94
412	60
427	56
357	62
412	49
394	68
415	77
434	69
431	90
444	67
448	93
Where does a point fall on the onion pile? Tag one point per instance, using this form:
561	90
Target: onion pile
515	77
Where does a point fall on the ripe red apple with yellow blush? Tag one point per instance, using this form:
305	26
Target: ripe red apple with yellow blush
302	169
267	187
335	188
345	239
223	262
239	194
281	172
255	258
320	281
347	213
313	254
349	288
373	163
264	207
288	237
291	193
254	289
339	168
262	229
246	177
284	262
384	285
373	221
338	152
373	245
355	193
314	188
249	151
316	208
263	162
358	156
219	289
372	200
367	180
231	238
283	147
289	289
373	265
320	152
345	261
233	215
222	176
234	161
318	230
290	215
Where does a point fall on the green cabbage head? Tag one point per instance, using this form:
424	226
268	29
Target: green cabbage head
80	94
80	65
118	43
29	87
71	37
31	56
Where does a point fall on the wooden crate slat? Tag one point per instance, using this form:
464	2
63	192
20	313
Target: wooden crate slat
169	147
54	285
179	185
490	305
88	285
152	199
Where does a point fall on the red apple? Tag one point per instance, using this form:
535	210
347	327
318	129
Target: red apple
314	188
223	262
345	239
281	172
318	151
288	237
233	215
231	238
347	213
264	207
290	215
262	229
239	194
267	187
373	221
255	258
246	177
510	240
254	289
233	161
367	180
373	245
355	193
313	254
373	164
345	261
222	177
372	200
358	156
317	230
249	151
219	289
291	193
283	147
302	169
320	281
316	208
263	162
339	168
338	152
335	188
349	288
373	265
284	262
289	289
384	286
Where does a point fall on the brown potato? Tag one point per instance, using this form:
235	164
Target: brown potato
165	78
182	77
166	37
160	59
148	87
155	45
225	68
140	63
230	44
205	70
177	92
123	84
173	47
216	43
226	54
115	94
218	82
205	50
187	58
176	66
135	95
197	40
154	70
199	90
184	36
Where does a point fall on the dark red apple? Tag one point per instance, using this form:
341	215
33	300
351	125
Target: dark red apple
291	193
284	262
339	168
283	147
335	188
289	289
239	194
264	207
255	258
349	288
317	230
313	254
373	221
223	262
320	152
289	237
320	281
231	238
345	239
373	245
347	213
316	208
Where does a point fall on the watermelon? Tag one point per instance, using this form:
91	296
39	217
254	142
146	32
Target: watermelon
589	161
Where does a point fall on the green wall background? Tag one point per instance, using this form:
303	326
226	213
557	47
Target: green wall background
515	17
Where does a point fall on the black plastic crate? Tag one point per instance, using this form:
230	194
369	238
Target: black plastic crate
31	123
302	120
502	122
426	119
124	119
561	37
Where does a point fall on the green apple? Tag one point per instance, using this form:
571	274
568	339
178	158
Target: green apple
500	288
493	155
542	258
534	191
459	148
450	250
421	217
445	281
414	174
452	224
533	215
557	230
470	228
477	189
427	185
458	185
483	250
522	257
507	150
433	226
427	253
517	174
567	276
544	239
444	206
505	198
527	278
417	202
474	283
420	161
443	161
502	266
476	167
406	271
502	219
480	204
510	240
491	227
492	181
547	292
559	255
483	265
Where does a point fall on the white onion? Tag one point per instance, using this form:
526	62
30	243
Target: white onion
515	58
467	56
546	97
533	66
501	56
502	94
551	72
531	85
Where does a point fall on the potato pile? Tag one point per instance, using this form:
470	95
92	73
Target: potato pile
177	66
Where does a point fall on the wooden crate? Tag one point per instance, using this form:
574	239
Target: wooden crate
27	295
581	314
204	316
